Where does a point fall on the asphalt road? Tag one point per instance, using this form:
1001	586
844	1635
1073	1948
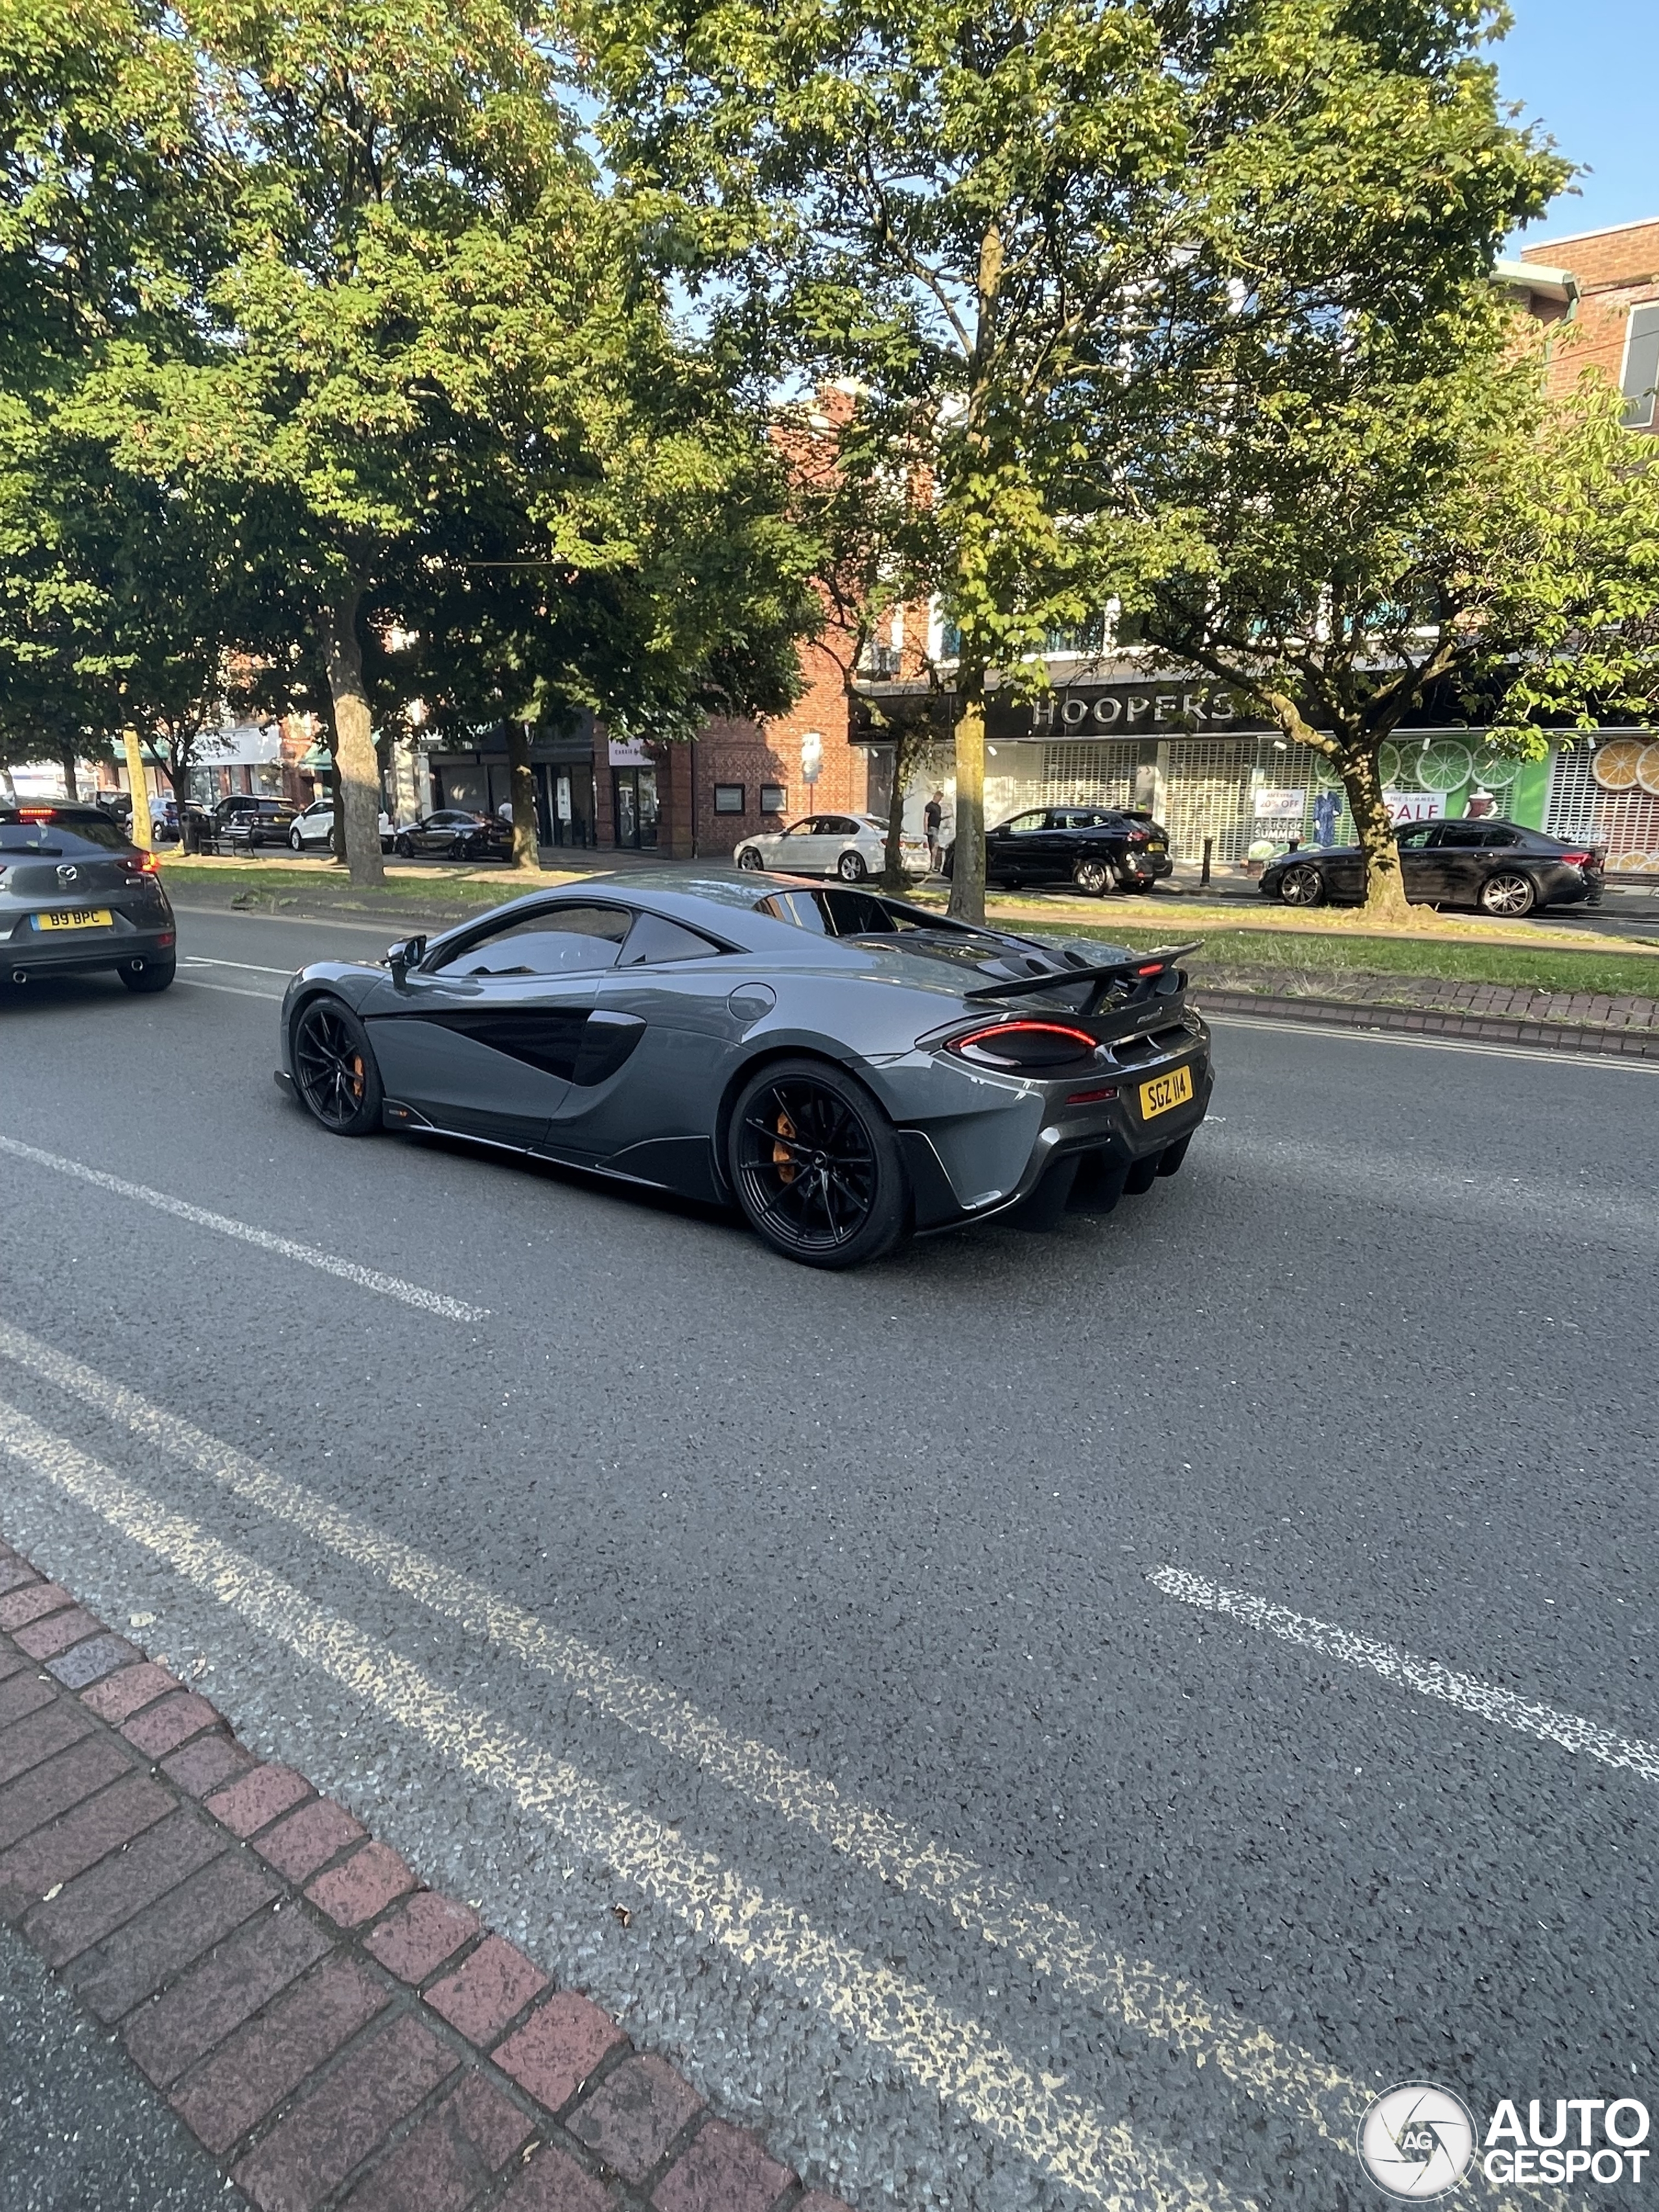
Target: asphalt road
811	1620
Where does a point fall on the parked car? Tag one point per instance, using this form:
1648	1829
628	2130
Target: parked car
1092	846
249	821
456	834
850	846
313	828
1497	865
163	814
75	894
843	1067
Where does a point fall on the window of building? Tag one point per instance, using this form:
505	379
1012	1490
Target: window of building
774	799
1641	372
728	798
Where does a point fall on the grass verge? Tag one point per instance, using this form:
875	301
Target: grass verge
1307	959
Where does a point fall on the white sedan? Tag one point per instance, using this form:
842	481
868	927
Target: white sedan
316	827
850	846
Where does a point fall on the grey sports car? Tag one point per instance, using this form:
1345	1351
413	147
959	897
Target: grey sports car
847	1068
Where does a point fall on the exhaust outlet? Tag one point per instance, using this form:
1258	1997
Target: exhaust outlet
19	975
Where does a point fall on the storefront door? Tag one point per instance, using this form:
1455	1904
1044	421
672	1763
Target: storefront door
635	817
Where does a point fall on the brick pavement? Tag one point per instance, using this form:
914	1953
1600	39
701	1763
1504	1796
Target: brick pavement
334	2034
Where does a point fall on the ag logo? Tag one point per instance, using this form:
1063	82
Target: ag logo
1416	2141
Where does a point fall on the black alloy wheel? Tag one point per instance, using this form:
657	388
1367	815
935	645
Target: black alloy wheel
749	858
334	1069
851	869
403	848
458	848
816	1167
1508	897
1092	877
1302	885
147	975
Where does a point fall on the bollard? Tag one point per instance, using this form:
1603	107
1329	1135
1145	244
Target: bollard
1209	851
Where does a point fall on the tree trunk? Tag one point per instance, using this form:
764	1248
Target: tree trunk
66	755
526	829
178	777
967	853
356	770
1385	888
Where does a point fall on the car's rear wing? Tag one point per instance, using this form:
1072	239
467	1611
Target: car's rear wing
1108	975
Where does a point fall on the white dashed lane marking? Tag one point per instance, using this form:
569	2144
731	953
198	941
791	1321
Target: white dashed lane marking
286	1248
1427	1677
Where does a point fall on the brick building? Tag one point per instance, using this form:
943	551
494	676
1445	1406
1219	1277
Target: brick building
1602	287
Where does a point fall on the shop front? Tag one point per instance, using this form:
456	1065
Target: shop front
1224	784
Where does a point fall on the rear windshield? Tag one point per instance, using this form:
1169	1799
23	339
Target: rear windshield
30	830
834	912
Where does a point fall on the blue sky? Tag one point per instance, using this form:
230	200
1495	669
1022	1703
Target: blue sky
1589	70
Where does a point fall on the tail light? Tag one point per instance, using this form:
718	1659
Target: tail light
37	813
1025	1046
141	864
1591	860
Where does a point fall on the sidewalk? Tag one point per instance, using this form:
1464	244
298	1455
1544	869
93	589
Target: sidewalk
332	2034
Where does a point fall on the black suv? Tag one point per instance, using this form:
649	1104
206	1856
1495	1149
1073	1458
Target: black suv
1500	867
1092	846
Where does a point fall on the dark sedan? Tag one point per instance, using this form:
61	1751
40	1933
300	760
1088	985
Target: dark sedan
75	894
1093	846
1498	866
844	1068
247	822
453	834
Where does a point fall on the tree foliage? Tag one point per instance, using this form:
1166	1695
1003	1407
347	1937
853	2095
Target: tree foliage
1033	233
1396	523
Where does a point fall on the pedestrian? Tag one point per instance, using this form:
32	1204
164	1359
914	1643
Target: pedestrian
932	816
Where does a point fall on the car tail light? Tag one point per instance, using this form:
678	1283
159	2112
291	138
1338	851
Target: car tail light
37	813
1091	1097
1025	1045
141	864
1582	860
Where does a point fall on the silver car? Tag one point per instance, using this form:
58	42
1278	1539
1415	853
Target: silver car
851	845
75	894
844	1068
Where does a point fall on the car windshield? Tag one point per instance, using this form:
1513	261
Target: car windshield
45	829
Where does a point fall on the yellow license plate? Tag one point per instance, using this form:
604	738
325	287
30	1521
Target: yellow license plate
1165	1092
82	917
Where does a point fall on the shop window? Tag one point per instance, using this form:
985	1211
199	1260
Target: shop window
1641	372
772	799
728	798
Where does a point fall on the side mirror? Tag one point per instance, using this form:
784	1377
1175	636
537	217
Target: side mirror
407	953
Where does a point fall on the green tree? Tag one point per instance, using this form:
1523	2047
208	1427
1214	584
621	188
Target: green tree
1030	231
1393	524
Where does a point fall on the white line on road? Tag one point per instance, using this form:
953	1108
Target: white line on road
1548	1724
943	2051
1166	2009
366	1279
244	967
1535	1055
228	990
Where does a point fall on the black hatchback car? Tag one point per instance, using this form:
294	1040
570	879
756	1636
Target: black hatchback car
1092	846
75	894
457	834
1498	866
